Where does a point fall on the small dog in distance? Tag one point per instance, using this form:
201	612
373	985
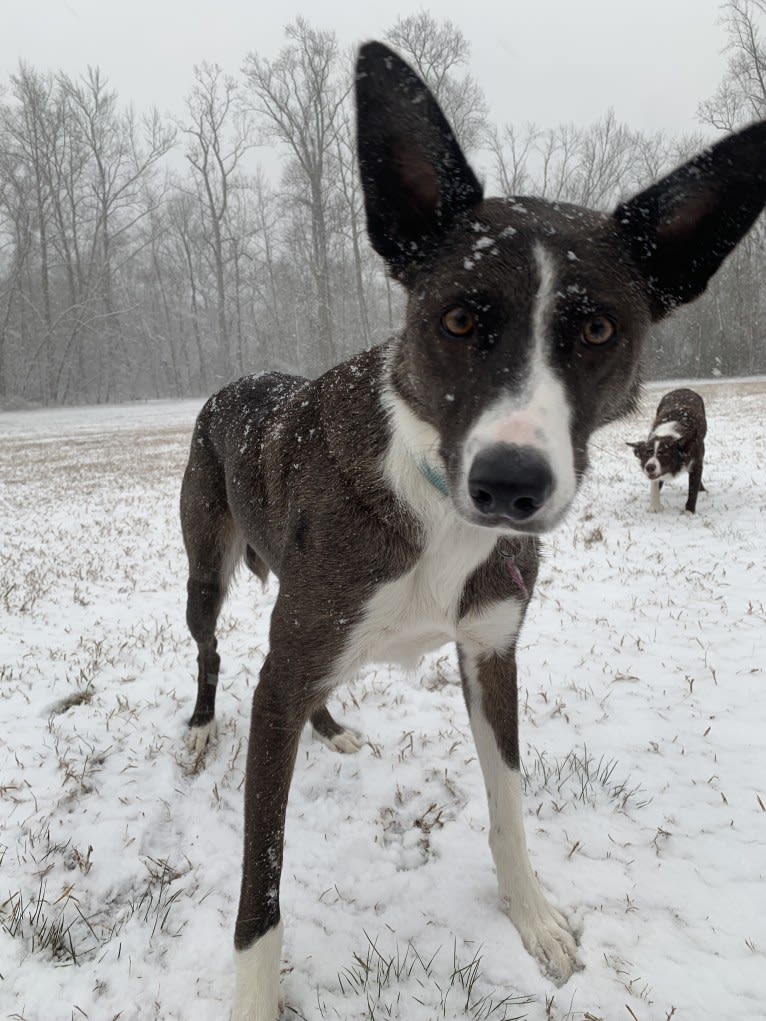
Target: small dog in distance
676	443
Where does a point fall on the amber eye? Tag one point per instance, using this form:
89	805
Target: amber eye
458	321
598	330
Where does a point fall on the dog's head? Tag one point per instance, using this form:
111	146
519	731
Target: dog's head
661	456
524	317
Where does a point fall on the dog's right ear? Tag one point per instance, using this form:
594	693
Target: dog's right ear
415	177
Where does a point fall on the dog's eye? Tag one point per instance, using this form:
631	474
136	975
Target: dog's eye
598	330
458	321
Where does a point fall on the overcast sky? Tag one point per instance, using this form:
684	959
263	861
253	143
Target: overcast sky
548	61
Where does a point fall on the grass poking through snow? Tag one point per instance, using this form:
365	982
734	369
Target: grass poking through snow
383	981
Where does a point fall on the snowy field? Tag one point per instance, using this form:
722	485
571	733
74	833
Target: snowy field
643	695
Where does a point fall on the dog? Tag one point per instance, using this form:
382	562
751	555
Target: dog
676	442
400	497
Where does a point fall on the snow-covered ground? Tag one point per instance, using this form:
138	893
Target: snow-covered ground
642	673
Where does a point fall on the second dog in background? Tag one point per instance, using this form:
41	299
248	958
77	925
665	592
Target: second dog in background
676	443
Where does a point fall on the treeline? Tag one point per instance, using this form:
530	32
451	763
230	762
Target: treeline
143	257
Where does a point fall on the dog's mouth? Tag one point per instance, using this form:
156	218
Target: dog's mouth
534	524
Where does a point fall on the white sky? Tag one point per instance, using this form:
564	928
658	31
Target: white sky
543	60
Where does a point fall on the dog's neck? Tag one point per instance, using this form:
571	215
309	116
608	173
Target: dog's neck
432	475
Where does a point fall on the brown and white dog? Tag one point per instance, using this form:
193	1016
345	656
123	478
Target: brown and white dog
400	497
676	443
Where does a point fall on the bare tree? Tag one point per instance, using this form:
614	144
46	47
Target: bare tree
591	166
741	95
737	294
30	124
353	226
186	252
557	148
219	138
122	152
605	163
511	149
16	234
275	335
439	52
298	99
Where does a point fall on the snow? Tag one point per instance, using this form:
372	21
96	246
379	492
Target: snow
643	716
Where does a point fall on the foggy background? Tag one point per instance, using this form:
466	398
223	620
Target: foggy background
160	247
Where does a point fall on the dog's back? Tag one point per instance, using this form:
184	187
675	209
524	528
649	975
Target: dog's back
686	410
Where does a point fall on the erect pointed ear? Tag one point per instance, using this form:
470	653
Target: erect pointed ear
415	177
681	229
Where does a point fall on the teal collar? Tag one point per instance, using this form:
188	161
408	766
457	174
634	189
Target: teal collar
433	476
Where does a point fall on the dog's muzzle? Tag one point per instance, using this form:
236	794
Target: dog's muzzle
510	482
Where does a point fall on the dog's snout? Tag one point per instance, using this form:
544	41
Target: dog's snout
511	481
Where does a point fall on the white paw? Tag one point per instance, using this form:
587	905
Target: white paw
348	742
256	997
546	934
198	738
687	513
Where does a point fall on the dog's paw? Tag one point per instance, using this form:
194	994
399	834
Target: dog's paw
198	738
547	936
348	742
256	996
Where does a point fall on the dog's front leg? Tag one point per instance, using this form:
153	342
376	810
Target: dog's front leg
654	496
278	715
489	685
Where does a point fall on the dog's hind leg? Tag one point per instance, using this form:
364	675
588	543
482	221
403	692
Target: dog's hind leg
489	685
258	566
331	733
695	485
214	547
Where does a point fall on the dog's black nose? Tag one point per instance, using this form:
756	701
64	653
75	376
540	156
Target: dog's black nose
510	481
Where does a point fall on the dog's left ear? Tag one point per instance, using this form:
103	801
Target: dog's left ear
681	229
416	179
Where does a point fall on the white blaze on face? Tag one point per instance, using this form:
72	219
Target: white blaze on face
538	415
652	466
672	430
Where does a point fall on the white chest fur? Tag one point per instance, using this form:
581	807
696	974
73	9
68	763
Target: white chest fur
419	611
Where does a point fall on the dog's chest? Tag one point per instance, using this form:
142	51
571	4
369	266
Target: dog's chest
420	611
